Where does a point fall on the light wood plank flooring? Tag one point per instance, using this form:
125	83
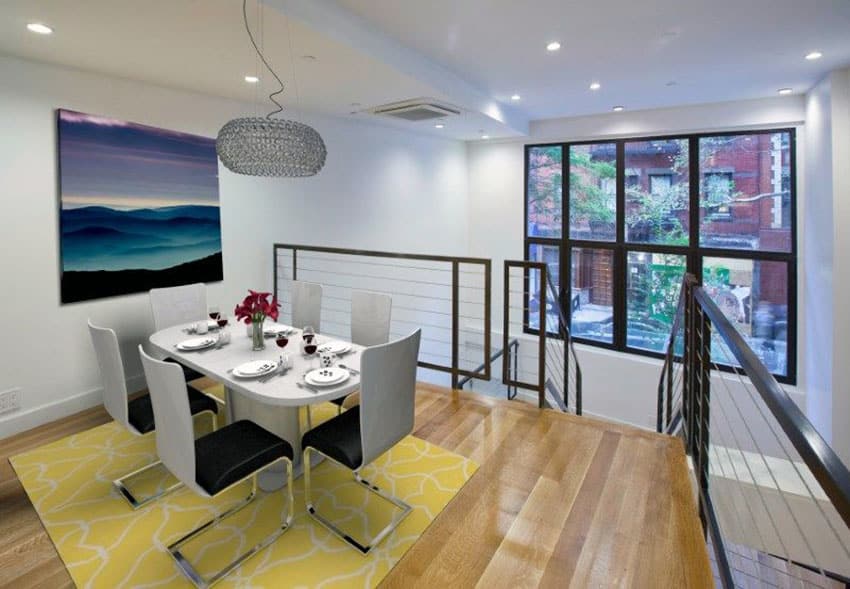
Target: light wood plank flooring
559	501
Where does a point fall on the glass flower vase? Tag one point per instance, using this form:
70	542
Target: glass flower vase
257	336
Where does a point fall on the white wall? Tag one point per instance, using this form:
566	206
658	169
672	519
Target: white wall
817	250
840	92
826	256
616	385
381	188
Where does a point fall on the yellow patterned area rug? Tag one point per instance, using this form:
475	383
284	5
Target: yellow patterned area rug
104	543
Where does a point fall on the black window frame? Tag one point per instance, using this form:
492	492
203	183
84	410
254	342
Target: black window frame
693	252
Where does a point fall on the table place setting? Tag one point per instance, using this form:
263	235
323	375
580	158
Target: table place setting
204	343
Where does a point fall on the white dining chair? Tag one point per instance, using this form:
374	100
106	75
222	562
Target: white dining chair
135	415
355	438
213	463
371	315
307	305
177	305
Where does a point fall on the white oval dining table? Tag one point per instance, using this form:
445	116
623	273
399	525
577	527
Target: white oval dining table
273	404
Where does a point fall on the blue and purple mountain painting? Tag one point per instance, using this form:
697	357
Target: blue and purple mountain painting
139	207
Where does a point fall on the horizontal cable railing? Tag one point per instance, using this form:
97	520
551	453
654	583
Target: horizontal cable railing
533	310
447	297
774	497
562	368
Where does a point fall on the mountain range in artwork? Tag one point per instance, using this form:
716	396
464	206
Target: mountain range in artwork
139	207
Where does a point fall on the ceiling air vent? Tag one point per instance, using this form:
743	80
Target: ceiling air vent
422	109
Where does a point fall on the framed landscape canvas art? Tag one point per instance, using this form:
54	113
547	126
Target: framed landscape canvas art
139	207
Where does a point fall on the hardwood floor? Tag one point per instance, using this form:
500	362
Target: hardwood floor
558	501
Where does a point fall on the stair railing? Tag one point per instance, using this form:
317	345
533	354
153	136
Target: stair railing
774	497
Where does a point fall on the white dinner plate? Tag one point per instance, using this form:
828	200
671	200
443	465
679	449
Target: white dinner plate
255	368
327	377
335	347
196	343
275	328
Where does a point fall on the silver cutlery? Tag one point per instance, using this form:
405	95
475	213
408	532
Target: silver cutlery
307	387
210	349
275	373
351	370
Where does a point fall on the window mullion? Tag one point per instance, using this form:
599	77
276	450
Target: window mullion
694	212
619	255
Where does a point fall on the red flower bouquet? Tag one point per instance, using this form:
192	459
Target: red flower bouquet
256	307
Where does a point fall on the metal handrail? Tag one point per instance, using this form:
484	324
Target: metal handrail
455	261
821	459
514	343
688	281
827	468
569	347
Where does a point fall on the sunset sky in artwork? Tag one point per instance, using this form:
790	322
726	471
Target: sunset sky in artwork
123	165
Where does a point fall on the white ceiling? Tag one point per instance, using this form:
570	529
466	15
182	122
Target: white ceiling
472	53
201	45
714	50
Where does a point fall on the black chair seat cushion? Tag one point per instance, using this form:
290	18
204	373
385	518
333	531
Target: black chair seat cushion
189	374
140	410
235	451
339	438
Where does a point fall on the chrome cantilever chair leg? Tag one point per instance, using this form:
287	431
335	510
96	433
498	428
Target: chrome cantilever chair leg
136	503
192	573
364	549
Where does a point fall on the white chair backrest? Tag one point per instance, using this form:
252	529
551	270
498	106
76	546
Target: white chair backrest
387	394
111	373
370	318
307	305
175	436
178	304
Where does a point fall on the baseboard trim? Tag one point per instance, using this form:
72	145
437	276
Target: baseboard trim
31	418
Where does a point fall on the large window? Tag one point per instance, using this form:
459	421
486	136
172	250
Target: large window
639	213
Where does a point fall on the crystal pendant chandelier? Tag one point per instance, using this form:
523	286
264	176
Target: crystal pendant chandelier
267	146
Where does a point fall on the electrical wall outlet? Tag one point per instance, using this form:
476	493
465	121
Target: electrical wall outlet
10	401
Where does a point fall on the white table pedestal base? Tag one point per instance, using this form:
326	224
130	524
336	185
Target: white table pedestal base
280	420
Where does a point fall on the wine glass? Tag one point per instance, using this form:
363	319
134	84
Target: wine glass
281	340
222	320
214	314
308	333
310	349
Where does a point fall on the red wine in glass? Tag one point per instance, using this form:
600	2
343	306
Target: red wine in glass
281	341
214	314
310	348
222	321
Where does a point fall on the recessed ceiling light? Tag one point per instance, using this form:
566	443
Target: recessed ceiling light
814	55
485	137
785	90
595	86
553	46
439	126
619	108
516	97
40	28
252	79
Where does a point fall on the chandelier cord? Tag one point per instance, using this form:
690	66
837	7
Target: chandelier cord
266	63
